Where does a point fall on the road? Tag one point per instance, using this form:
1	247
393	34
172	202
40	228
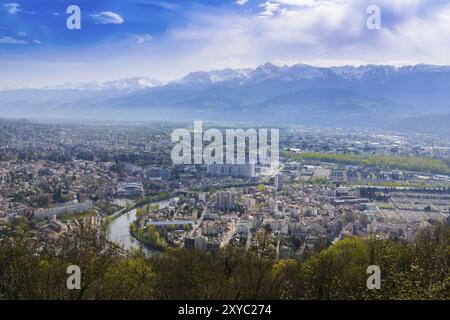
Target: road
227	237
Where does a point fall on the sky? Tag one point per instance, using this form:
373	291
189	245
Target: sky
167	39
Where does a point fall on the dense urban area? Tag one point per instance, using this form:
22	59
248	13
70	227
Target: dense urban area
341	199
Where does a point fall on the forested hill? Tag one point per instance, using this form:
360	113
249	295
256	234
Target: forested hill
417	271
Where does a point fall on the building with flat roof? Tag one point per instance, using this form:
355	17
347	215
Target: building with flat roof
232	170
129	189
68	208
225	200
279	182
159	174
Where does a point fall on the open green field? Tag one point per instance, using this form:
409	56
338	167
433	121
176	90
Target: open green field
418	164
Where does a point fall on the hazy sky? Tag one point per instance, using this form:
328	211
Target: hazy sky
167	39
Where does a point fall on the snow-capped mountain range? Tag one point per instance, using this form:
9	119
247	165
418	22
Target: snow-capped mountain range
296	72
370	95
264	72
127	84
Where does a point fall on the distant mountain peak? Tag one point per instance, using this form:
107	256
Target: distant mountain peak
265	72
347	95
126	84
213	77
133	83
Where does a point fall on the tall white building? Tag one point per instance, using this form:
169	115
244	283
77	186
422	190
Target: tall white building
279	182
225	200
233	170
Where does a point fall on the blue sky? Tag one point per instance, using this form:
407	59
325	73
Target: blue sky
167	39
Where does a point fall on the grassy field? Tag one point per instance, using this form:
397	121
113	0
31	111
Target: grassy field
418	164
384	205
78	216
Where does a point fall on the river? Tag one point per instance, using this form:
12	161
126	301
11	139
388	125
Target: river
119	229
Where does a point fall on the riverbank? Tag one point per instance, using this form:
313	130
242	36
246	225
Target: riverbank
144	201
148	246
119	228
117	214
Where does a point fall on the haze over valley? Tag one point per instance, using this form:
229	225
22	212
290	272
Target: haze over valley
408	98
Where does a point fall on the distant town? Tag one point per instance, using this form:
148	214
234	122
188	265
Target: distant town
118	178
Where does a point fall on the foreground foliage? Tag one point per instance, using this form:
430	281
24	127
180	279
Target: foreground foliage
415	271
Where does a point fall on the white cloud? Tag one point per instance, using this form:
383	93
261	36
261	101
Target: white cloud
241	2
300	3
37	42
319	32
327	32
165	5
12	8
11	40
141	38
270	8
107	17
21	33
